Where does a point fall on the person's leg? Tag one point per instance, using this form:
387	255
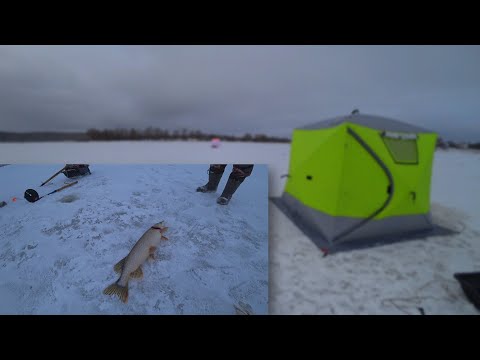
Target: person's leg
239	173
242	171
215	173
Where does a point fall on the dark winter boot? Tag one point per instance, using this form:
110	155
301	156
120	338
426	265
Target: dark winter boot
213	181
230	188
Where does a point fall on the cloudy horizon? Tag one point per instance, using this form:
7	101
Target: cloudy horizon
237	89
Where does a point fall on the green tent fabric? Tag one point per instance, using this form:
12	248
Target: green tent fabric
360	177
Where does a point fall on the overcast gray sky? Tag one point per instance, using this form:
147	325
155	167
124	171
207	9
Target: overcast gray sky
237	89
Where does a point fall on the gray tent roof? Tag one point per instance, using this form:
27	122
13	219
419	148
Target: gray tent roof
371	121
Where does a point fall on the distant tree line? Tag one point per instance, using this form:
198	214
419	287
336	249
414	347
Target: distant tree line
184	134
159	134
44	136
475	146
448	144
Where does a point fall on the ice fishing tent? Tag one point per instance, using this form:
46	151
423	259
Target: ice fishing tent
359	178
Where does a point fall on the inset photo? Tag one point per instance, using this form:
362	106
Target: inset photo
134	239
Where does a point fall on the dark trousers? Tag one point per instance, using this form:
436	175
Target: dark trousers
239	171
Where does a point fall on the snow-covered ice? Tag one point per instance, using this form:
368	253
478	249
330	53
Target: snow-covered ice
392	279
57	255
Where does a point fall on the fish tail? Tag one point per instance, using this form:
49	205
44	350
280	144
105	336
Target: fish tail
120	291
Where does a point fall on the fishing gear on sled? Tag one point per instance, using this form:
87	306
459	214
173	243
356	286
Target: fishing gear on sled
32	196
71	171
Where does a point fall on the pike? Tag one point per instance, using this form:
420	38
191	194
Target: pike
131	265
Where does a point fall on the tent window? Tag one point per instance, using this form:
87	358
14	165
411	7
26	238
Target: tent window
402	147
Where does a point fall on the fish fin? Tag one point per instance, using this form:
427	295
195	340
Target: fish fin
151	252
164	238
119	266
120	291
151	249
137	274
